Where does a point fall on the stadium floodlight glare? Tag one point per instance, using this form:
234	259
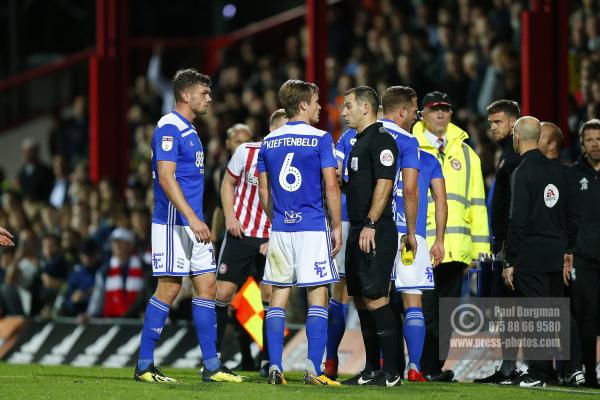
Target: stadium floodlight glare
229	11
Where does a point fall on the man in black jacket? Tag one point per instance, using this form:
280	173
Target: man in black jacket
541	231
584	178
502	115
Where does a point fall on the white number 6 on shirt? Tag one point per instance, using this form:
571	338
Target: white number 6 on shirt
287	169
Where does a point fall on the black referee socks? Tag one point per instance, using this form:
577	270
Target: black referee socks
369	334
385	323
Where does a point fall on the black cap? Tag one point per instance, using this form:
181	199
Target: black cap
436	99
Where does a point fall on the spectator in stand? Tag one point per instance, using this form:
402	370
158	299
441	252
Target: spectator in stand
6	238
120	281
54	271
60	189
23	276
10	303
81	280
35	177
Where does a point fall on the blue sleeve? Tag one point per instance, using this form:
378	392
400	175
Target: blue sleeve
340	152
410	154
436	173
326	152
260	162
166	143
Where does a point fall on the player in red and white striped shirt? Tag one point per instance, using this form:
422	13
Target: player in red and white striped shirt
247	215
246	240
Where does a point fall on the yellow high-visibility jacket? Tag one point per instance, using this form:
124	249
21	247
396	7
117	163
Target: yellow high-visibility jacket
467	231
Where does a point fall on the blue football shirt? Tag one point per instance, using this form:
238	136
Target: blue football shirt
342	149
430	169
408	145
293	156
176	140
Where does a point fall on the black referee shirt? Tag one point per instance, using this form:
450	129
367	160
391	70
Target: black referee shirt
373	156
509	159
541	228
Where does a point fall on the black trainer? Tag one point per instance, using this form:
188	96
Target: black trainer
388	380
572	378
362	378
513	379
263	371
444	376
528	381
494	378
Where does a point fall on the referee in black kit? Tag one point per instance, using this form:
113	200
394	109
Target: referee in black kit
541	233
373	240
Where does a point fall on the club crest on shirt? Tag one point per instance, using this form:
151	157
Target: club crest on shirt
354	164
222	268
386	157
584	184
455	164
167	143
551	195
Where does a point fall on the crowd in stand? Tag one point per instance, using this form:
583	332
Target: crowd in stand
84	250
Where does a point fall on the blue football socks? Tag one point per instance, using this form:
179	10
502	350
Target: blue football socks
275	321
316	332
154	321
414	333
205	320
336	327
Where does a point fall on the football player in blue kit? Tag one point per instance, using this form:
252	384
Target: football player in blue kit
181	244
399	107
297	165
338	304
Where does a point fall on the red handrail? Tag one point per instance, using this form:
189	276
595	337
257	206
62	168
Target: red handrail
46	69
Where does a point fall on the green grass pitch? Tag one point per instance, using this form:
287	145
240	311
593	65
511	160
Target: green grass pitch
65	382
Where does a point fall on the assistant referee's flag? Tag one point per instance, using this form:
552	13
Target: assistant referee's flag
249	309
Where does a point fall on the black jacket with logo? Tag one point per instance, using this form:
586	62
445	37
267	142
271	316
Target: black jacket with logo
542	224
585	184
509	159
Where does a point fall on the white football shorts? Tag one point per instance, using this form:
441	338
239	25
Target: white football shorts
340	258
417	276
300	259
176	252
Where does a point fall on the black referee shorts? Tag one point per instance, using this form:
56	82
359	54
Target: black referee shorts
241	258
368	274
